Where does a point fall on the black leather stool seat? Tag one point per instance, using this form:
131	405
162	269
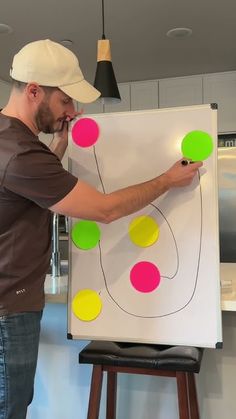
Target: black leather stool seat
178	362
161	357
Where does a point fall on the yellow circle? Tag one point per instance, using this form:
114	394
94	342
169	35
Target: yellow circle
143	231
86	305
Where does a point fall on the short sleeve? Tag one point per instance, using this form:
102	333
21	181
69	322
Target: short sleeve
39	176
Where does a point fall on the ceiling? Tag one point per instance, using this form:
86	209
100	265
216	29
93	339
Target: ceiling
137	31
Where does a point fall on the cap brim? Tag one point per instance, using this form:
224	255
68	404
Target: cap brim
81	91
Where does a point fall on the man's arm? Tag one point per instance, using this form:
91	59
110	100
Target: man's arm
59	142
86	202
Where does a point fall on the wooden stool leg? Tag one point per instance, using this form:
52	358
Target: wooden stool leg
111	394
192	394
182	387
95	392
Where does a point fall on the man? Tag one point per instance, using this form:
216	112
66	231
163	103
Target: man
46	79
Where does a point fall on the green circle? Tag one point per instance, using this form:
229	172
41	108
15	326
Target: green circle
85	234
197	145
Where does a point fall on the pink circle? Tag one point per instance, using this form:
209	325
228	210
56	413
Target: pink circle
145	276
85	132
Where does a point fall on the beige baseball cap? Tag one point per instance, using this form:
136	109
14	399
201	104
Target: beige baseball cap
51	64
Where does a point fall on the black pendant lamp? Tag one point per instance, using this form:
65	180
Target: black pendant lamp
105	80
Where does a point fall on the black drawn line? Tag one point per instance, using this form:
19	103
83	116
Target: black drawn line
176	247
198	262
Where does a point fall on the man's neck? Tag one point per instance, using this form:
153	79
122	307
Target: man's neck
10	111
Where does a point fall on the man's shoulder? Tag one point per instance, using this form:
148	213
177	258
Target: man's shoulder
15	136
19	145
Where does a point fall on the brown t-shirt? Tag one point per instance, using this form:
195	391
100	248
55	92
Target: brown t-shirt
31	180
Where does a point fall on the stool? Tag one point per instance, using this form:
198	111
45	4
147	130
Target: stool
180	362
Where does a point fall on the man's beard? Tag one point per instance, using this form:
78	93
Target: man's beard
45	120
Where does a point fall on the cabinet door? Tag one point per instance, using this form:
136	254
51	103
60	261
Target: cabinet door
221	89
5	89
144	95
180	91
124	104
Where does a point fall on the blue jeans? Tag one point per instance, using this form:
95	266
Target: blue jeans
19	342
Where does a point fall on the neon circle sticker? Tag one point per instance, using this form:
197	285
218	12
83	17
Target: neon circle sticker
145	277
143	231
85	234
87	305
197	145
85	132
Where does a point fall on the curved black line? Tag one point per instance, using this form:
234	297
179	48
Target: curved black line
190	299
176	247
99	174
200	245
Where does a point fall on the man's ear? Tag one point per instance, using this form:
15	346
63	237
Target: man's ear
34	92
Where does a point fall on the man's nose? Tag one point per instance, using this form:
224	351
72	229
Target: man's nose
72	108
71	113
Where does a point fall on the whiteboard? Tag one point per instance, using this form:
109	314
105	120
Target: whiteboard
185	309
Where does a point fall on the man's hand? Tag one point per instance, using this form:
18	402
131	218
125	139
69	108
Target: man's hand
182	175
60	138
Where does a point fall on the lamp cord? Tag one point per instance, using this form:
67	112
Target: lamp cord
103	21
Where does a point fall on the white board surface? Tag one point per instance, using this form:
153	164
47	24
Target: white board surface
185	309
